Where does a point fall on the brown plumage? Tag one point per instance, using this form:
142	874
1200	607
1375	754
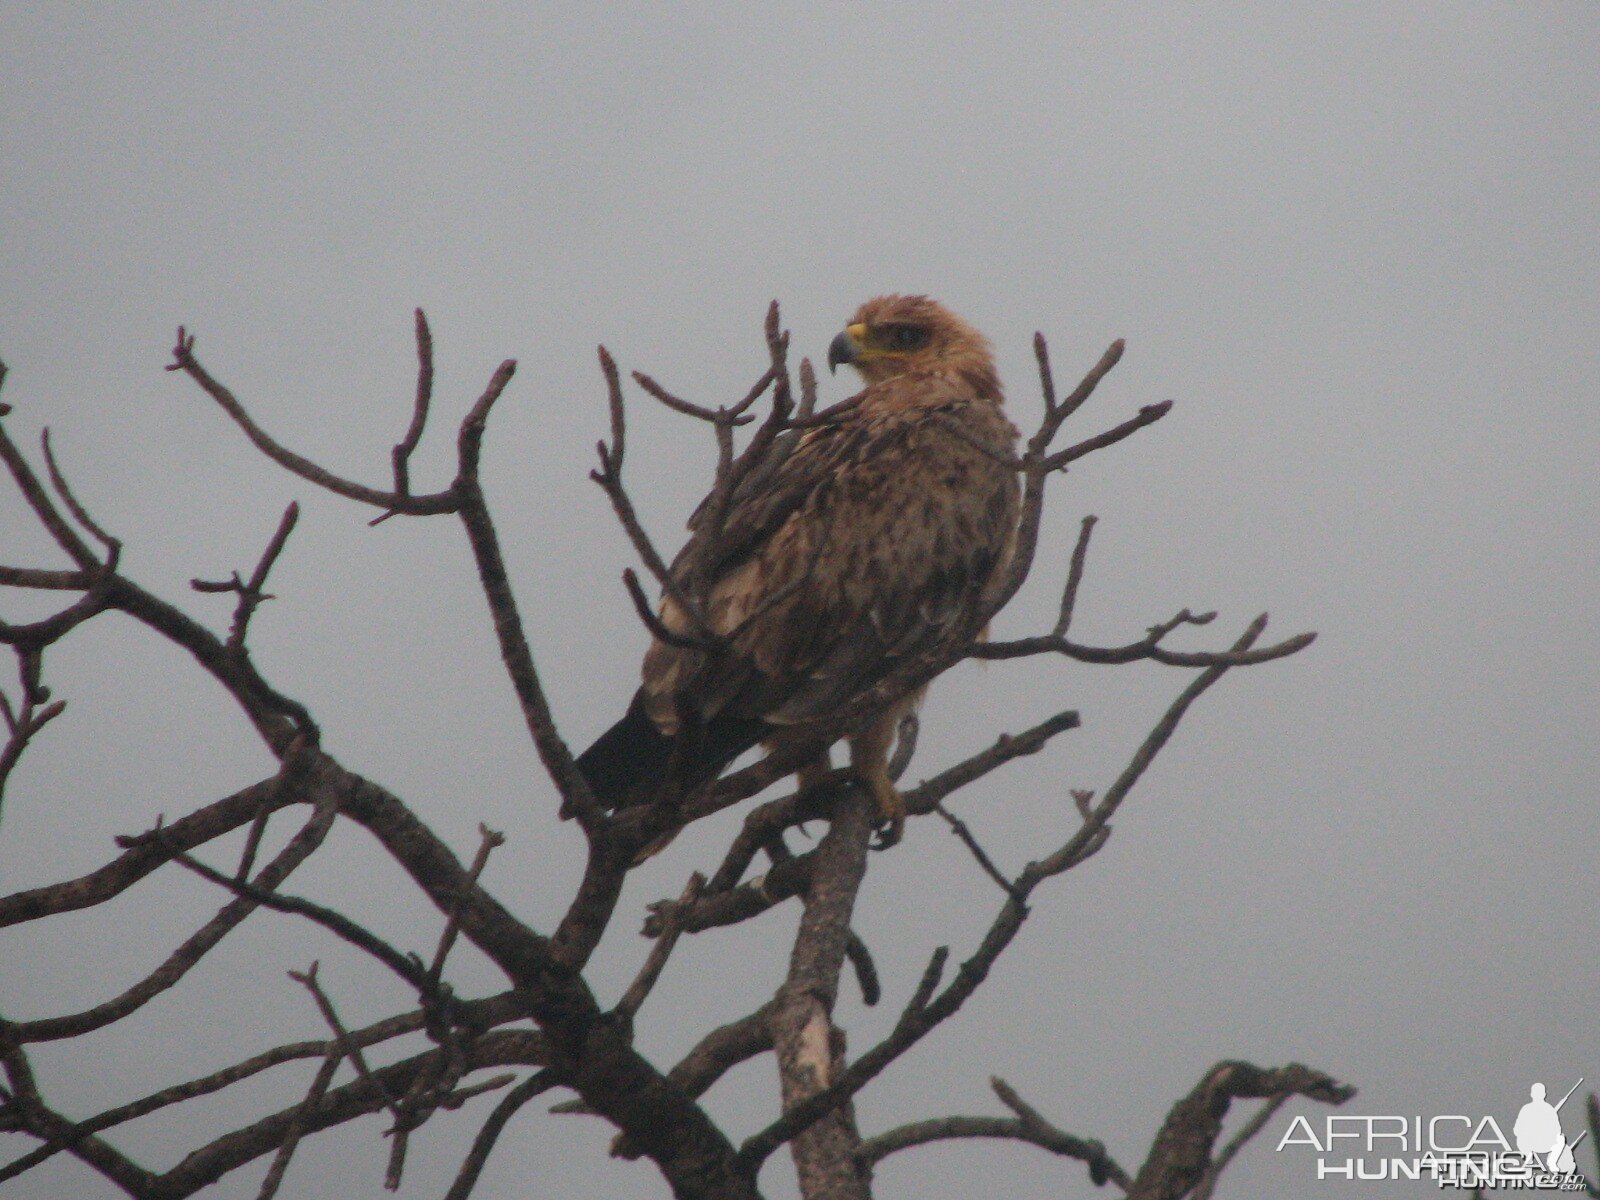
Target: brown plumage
879	533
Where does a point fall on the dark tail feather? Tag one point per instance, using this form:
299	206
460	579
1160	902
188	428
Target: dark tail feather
626	755
628	764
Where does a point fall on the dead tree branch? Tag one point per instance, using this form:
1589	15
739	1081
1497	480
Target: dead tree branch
1028	1125
184	360
923	1014
406	446
1181	1156
572	1042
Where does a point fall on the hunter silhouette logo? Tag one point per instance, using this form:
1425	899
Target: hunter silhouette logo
1538	1131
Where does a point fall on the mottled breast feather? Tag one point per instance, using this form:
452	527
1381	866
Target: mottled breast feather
879	532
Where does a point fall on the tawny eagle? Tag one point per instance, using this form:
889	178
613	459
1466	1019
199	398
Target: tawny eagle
877	534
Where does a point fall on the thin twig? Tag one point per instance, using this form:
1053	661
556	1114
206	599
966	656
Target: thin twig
354	1099
490	840
291	1140
183	360
194	948
1102	1166
931	975
639	990
1208	1182
408	967
610	480
344	1043
616	407
401	455
487	1012
920	1133
960	829
657	627
1069	594
144	853
39	500
1148	415
252	842
576	797
469	438
1085	388
784	881
79	513
253	593
1078	846
1148	647
1047	381
27	1110
1006	748
483	1144
755	392
31	639
23	728
677	404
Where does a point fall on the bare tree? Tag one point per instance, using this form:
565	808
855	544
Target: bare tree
547	1031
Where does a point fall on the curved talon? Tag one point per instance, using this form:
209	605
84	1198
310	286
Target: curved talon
889	833
891	807
869	759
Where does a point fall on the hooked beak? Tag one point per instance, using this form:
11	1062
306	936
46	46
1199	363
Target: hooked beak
846	348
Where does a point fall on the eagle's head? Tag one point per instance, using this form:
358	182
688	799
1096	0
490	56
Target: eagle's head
898	335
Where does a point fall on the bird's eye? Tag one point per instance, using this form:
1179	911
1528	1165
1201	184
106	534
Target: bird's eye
909	337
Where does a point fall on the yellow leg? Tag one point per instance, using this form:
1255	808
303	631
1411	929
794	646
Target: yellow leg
869	758
891	807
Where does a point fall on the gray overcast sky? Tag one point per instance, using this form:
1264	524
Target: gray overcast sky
1358	245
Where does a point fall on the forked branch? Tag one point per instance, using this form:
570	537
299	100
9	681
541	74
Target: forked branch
577	1044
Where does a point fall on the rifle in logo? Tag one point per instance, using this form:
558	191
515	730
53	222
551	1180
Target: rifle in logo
1538	1131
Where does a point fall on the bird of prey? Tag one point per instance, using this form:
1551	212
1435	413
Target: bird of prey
866	546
